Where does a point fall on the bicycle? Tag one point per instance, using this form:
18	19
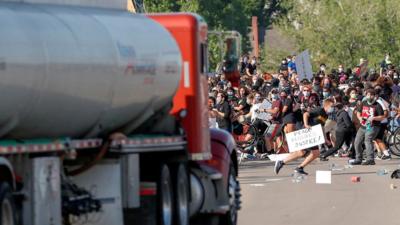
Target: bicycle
257	142
392	137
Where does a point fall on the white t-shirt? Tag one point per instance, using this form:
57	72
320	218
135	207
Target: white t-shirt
385	107
212	122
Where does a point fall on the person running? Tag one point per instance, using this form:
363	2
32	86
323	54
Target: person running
344	130
310	118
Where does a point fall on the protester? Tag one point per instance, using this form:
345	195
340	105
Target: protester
310	118
223	112
358	105
370	113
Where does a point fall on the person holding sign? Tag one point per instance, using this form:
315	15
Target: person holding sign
310	118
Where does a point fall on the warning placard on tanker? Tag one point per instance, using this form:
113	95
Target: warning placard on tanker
305	138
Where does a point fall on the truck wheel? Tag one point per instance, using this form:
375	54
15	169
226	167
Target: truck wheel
165	196
230	218
205	219
7	211
182	195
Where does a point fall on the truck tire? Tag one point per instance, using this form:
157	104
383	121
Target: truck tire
7	210
205	219
165	196
181	184
231	217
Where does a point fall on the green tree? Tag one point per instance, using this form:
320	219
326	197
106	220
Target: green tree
343	31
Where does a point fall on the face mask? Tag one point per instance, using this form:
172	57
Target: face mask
230	93
306	93
371	100
316	87
258	99
286	89
395	77
248	101
353	95
340	70
322	68
275	96
253	62
325	94
331	110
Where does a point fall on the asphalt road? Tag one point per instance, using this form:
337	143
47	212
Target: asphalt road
270	199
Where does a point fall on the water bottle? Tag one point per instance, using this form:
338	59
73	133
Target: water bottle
297	178
382	172
369	128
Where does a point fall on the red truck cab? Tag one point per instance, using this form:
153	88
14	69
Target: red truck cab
213	151
190	32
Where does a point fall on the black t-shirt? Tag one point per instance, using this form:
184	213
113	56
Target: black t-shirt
243	66
289	103
370	110
317	116
224	122
252	68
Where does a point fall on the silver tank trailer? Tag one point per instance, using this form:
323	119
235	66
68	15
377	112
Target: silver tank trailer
81	72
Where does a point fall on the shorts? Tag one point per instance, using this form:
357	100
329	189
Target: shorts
381	132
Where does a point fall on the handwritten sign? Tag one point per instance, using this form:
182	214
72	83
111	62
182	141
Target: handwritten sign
305	138
262	115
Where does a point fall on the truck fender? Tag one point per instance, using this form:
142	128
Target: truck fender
225	152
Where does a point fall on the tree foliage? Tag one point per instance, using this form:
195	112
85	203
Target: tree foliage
343	31
221	15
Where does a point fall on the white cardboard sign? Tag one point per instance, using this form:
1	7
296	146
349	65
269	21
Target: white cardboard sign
265	116
305	138
303	65
323	177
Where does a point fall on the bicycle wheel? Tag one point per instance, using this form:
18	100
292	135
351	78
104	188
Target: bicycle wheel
395	148
248	130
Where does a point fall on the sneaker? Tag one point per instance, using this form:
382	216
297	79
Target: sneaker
368	162
264	156
386	157
355	162
278	166
300	170
378	157
323	159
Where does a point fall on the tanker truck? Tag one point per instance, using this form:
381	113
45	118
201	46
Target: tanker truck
104	120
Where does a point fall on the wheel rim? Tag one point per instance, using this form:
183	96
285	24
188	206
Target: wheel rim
234	201
182	196
7	213
166	197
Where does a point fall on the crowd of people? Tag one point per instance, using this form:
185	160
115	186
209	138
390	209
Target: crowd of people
355	107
